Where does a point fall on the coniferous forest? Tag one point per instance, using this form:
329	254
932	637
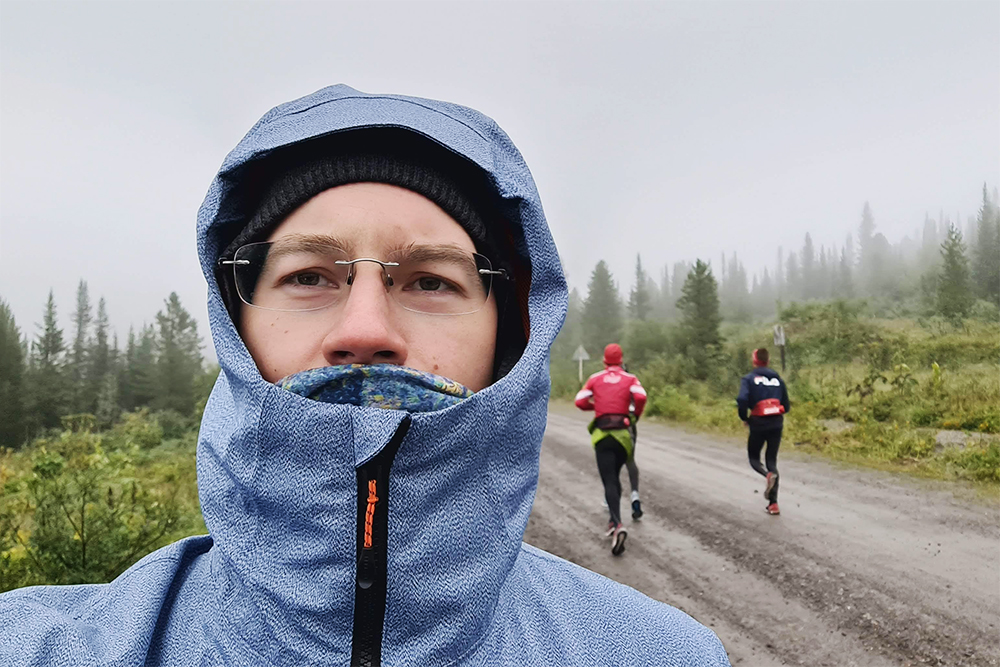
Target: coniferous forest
892	351
892	359
97	441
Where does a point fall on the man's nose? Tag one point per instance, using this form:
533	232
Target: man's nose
365	331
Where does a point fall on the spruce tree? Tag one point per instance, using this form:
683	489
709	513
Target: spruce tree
971	233
98	358
882	278
602	312
700	319
779	274
823	275
736	295
106	407
639	302
845	278
766	298
866	259
178	357
793	278
78	362
125	363
809	268
655	299
677	278
664	304
570	335
986	259
954	291
13	427
141	377
929	244
48	392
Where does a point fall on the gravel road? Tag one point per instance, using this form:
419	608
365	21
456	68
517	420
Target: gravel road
862	567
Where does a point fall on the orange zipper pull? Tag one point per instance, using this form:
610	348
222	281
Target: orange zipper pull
370	513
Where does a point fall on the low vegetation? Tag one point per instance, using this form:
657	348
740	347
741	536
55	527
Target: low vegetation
865	390
80	506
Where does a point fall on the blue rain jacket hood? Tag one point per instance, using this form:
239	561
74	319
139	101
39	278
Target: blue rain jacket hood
274	582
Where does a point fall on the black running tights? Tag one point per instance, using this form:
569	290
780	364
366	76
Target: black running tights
610	459
755	443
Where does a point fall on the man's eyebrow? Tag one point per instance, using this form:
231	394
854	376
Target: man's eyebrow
446	253
430	252
312	243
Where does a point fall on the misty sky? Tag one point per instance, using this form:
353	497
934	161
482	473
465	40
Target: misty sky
679	129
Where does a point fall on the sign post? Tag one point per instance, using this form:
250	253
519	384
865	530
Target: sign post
581	356
779	342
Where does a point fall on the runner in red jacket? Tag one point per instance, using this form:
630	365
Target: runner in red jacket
617	399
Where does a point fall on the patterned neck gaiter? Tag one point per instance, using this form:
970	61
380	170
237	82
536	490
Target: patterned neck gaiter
379	386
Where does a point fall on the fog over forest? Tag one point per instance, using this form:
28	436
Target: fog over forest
681	131
806	186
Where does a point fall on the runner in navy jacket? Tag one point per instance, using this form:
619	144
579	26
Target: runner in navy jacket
762	401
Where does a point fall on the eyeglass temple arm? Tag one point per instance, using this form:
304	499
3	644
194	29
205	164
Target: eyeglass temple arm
495	272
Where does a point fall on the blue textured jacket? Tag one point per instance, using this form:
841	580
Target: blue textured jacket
274	583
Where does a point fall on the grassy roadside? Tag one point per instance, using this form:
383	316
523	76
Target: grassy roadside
914	397
889	448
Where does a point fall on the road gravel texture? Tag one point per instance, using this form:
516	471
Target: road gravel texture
862	567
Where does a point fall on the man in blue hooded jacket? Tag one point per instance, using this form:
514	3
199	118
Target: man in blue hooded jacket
383	292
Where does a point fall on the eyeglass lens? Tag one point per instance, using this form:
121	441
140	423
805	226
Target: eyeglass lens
294	276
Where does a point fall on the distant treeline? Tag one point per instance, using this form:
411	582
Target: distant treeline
939	271
50	376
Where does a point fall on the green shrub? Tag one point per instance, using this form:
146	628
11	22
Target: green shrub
86	516
882	410
137	429
926	415
825	332
645	341
985	311
173	424
981	463
671	403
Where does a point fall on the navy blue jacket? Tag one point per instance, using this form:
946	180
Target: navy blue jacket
758	385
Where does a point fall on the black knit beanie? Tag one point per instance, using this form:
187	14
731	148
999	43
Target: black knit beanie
378	156
394	157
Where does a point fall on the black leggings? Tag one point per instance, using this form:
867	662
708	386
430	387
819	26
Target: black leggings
633	469
610	459
754	444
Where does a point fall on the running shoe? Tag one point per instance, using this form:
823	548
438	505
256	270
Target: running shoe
618	540
772	479
611	528
636	509
773	509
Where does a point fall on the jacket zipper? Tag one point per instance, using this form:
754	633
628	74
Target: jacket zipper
373	530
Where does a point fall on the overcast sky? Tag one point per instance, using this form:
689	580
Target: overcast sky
682	130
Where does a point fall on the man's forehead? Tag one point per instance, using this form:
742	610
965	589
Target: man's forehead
374	217
366	243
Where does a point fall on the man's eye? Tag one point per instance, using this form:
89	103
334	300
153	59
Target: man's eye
430	284
307	279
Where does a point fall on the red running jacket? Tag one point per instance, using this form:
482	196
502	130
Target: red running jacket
612	392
